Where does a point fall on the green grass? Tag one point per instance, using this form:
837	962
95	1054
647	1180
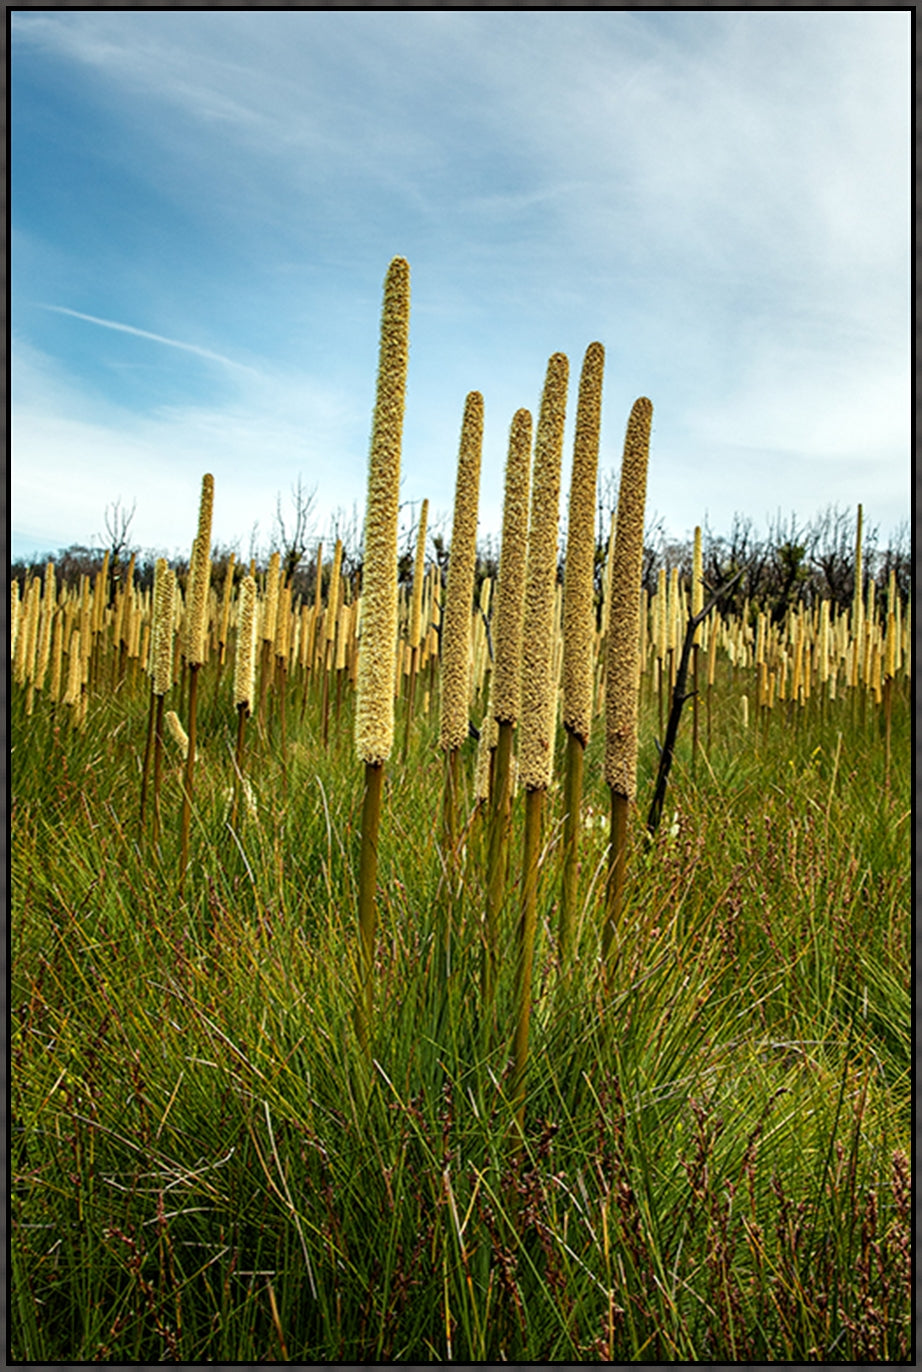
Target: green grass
713	1165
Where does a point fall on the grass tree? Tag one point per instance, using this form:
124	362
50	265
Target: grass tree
454	721
161	672
244	678
538	714
623	663
578	625
374	718
506	682
196	625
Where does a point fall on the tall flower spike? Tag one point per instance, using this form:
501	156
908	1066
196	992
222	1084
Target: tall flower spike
374	727
510	596
245	662
538	715
456	630
374	715
15	606
161	642
199	575
329	628
579	624
624	626
74	675
46	620
271	607
538	712
697	592
505	685
578	569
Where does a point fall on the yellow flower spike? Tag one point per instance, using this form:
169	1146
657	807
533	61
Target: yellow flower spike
245	661
579	622
199	576
621	686
510	596
579	566
374	727
374	713
537	711
456	625
622	668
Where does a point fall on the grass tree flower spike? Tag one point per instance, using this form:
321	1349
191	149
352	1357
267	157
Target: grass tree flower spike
414	633
509	608
244	678
196	624
506	681
374	728
199	577
697	593
46	620
538	713
74	675
245	661
456	624
161	670
15	606
271	608
697	605
622	668
161	643
580	558
456	630
374	717
268	622
579	620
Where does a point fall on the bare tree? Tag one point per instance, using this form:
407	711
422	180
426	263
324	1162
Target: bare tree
293	535
789	574
897	557
832	552
724	557
348	526
654	542
118	522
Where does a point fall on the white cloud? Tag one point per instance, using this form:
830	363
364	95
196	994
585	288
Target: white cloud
72	455
827	410
720	197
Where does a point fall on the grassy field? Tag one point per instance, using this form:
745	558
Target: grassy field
714	1164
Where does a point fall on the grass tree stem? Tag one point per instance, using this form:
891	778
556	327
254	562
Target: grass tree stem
374	714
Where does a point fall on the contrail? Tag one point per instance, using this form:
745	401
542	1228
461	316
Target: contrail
155	337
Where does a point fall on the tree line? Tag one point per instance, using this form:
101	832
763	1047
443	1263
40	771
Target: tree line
790	561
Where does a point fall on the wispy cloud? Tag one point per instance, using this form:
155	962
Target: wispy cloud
74	452
720	197
154	337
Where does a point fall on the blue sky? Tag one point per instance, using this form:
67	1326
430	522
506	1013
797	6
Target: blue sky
204	205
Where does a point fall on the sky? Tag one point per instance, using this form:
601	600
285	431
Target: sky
204	205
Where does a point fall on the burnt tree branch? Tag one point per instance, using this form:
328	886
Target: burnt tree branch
679	698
